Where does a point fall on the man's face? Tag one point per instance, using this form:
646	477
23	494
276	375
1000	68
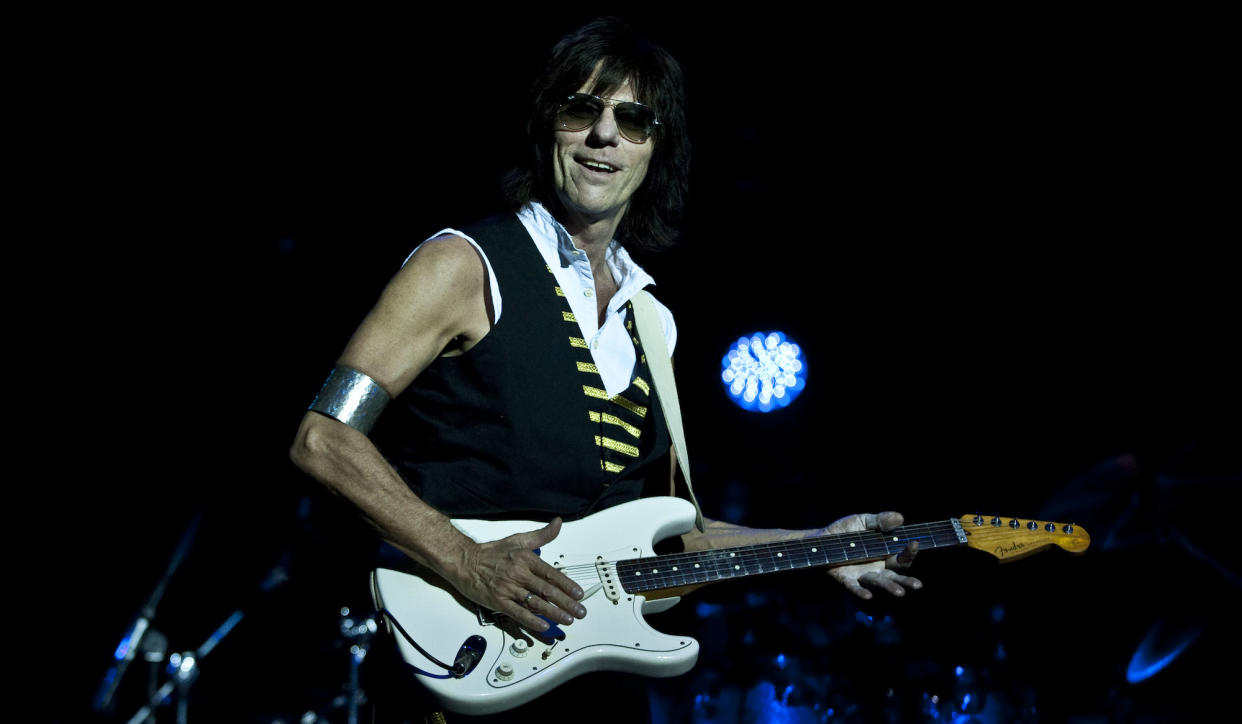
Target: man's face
597	170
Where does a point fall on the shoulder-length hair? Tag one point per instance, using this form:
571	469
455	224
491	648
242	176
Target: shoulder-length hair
650	223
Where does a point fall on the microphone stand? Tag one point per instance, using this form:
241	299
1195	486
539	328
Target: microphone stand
131	641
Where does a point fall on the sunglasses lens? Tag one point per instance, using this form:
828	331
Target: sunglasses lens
634	121
579	113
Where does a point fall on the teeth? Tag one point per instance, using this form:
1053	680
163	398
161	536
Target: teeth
599	165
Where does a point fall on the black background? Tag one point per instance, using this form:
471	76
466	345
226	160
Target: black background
1002	241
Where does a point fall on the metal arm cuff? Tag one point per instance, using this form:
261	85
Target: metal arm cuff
351	397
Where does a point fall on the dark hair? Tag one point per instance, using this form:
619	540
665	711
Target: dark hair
650	223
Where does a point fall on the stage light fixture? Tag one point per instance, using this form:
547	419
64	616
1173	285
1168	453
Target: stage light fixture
763	372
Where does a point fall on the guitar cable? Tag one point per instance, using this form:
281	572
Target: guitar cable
457	671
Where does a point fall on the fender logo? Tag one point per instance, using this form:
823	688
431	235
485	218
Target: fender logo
1002	551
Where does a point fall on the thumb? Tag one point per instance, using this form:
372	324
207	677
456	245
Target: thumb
538	538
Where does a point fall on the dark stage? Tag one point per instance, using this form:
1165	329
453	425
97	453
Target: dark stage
999	240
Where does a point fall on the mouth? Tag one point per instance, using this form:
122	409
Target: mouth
597	166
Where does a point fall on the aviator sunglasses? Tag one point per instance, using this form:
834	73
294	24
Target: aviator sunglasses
580	111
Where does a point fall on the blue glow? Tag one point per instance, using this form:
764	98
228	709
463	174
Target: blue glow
965	699
704	609
958	671
780	661
763	372
1155	652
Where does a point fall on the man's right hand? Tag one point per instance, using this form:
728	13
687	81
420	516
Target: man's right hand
508	577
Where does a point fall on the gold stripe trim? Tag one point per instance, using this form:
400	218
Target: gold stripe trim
588	367
559	292
569	316
611	467
637	409
614	420
597	393
578	342
641	384
615	446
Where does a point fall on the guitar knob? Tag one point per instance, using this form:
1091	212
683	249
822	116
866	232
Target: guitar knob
1068	528
504	672
978	520
1032	525
1051	527
519	647
1015	523
996	521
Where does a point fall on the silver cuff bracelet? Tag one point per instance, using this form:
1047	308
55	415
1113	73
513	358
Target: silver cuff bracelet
351	397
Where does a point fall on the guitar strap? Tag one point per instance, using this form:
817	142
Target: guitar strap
651	332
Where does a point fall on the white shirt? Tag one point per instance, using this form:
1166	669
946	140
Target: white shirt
611	347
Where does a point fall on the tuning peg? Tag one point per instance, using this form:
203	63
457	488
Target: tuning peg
1069	528
1051	527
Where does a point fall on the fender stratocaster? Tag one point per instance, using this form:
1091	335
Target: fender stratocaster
609	554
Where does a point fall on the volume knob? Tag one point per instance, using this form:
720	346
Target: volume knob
504	671
519	647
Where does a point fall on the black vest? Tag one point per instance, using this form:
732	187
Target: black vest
520	426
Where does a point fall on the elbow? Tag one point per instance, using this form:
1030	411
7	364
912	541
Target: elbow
313	445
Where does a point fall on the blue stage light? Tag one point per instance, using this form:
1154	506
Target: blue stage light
763	372
1158	649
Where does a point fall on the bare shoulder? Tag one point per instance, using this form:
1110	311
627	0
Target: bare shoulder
435	298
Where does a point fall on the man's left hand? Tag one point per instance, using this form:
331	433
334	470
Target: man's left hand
883	575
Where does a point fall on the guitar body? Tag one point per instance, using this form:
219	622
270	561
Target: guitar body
614	636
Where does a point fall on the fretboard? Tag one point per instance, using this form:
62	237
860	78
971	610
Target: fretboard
690	569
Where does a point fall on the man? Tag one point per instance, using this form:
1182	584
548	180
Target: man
523	390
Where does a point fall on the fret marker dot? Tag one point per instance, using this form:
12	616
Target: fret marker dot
778	555
852	545
696	565
894	539
737	568
655	570
815	550
732	555
674	568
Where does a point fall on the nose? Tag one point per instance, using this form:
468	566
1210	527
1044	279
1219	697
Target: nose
605	131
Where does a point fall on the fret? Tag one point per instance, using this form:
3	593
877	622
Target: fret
696	568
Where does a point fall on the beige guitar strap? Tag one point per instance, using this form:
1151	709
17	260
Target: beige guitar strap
651	332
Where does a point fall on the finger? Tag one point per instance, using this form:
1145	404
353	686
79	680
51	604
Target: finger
907	581
885	583
905	558
526	616
558	604
887	520
537	538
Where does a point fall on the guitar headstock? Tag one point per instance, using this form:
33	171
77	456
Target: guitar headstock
1012	538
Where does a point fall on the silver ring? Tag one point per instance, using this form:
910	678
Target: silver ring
526	601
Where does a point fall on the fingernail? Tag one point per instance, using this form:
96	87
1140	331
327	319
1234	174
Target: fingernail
577	593
580	611
567	619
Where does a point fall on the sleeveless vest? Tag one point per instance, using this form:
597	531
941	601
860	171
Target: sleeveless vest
520	425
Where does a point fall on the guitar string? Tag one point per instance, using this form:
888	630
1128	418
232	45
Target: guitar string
828	545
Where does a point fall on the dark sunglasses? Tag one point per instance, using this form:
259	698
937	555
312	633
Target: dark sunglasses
580	111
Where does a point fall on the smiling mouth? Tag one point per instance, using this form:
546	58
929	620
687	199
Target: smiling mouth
598	166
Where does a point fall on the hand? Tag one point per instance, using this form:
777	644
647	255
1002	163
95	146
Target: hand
881	575
506	576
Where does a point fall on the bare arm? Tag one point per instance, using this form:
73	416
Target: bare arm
437	300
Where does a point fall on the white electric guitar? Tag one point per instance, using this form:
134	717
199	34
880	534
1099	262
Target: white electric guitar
498	665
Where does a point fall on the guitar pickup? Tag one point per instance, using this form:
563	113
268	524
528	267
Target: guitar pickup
608	579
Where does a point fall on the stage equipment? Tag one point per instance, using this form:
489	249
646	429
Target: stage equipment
763	372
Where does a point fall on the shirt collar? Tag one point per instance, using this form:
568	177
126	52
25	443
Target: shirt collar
550	235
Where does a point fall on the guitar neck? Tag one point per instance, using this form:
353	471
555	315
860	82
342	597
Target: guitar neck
680	570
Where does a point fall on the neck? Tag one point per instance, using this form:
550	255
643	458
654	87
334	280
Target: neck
592	234
679	570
